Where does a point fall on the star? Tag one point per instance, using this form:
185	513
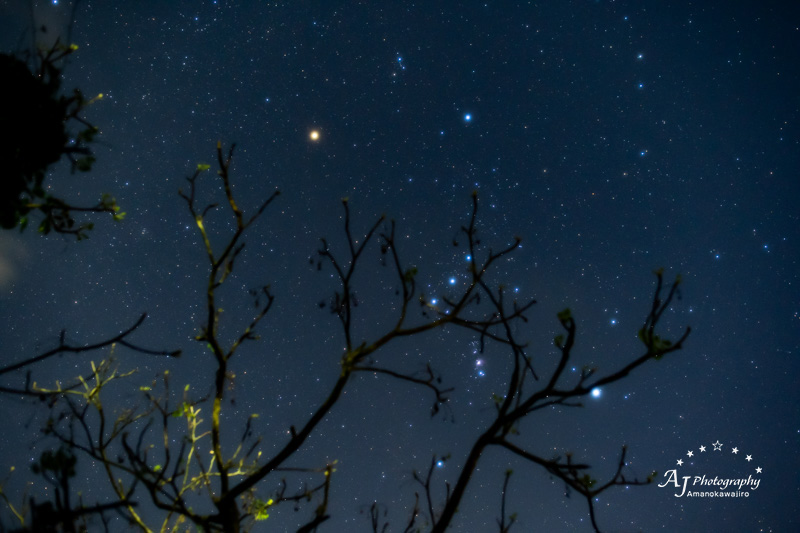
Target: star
702	448
680	462
314	135
758	470
748	458
717	446
690	453
735	450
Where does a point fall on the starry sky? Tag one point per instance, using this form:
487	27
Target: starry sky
613	137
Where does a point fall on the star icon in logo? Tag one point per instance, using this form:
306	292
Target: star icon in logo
735	450
748	458
758	470
690	453
702	448
680	462
717	446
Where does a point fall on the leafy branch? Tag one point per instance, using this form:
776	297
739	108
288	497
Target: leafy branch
43	118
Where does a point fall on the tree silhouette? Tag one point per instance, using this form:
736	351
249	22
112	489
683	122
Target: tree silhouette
151	454
36	133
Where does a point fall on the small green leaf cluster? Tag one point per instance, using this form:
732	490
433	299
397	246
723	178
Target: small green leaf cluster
185	410
654	343
558	340
260	507
410	274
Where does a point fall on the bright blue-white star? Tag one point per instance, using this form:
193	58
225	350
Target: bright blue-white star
452	281
467	117
596	392
479	368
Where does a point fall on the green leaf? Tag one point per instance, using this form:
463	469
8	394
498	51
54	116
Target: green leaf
84	164
202	166
181	411
564	315
260	508
656	344
88	134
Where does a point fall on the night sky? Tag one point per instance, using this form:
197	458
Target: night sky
614	138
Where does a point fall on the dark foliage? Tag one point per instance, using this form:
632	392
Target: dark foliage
36	133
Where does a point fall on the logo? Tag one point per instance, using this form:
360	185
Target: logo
714	472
